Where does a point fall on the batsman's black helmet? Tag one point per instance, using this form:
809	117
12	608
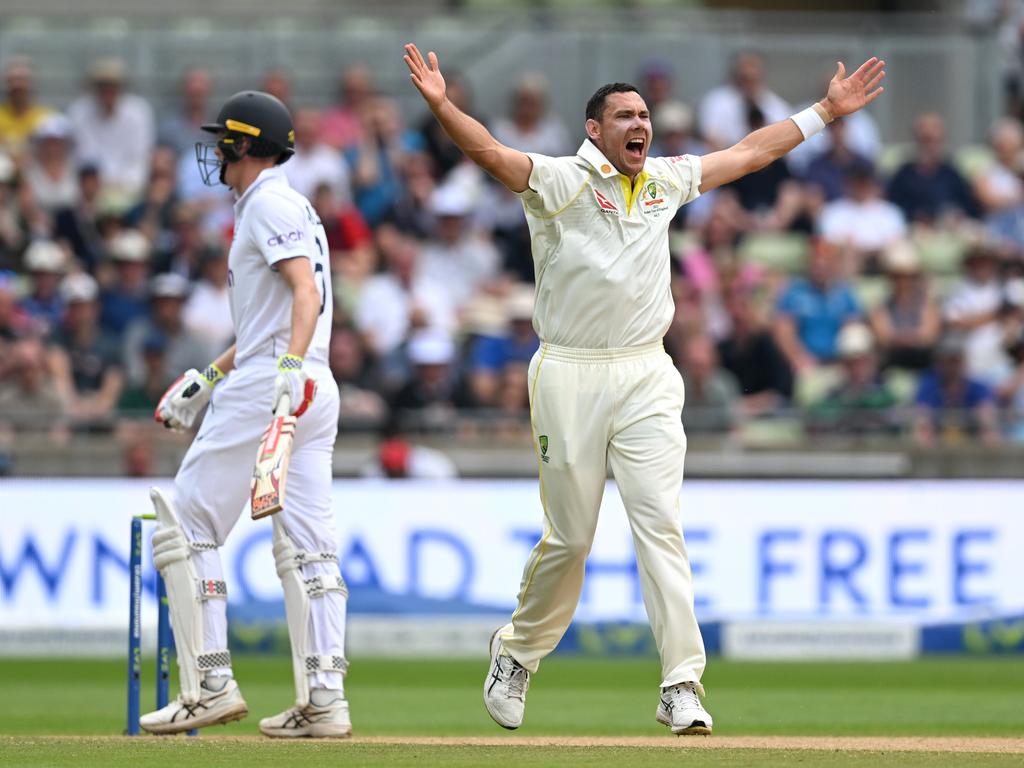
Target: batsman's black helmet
261	118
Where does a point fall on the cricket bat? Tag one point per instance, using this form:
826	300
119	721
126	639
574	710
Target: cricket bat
268	477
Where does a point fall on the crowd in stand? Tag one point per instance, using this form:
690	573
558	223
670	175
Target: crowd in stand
851	289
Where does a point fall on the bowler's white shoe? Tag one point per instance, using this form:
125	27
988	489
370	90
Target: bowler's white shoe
213	708
505	687
326	719
680	709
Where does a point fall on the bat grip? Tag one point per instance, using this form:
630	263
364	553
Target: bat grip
284	406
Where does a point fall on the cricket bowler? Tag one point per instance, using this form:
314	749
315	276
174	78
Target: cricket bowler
602	389
280	292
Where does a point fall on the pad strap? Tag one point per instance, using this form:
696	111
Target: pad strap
286	558
213	660
318	586
326	664
202	545
302	557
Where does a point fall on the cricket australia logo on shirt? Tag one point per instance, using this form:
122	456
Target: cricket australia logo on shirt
543	440
606	205
653	197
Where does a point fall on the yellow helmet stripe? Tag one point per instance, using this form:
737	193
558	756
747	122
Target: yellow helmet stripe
235	125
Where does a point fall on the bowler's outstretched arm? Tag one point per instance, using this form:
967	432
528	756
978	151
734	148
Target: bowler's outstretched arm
509	166
764	146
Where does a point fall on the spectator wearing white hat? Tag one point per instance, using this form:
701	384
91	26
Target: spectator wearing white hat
114	129
86	361
907	324
457	256
429	400
182	349
498	361
126	300
674	125
49	171
860	403
46	263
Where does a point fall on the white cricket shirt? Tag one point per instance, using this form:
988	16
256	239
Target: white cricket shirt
600	247
274	222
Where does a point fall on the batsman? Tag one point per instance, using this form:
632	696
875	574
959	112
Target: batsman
602	389
280	293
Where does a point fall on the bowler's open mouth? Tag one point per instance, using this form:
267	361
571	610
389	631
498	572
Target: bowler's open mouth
635	148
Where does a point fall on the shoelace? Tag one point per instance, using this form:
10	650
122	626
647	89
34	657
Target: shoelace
517	679
684	695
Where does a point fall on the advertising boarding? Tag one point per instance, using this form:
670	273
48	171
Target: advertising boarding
845	552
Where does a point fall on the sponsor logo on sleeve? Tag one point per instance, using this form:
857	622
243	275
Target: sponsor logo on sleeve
285	238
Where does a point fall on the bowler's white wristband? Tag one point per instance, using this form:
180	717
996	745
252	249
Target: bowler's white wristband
809	122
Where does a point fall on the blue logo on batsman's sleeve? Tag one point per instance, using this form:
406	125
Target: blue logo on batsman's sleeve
288	237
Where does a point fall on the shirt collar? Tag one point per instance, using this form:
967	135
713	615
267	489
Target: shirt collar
589	152
273	174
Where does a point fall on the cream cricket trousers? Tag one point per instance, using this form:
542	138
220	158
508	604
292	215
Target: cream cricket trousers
211	490
590	408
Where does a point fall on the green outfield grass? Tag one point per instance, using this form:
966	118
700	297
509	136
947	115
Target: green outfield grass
570	697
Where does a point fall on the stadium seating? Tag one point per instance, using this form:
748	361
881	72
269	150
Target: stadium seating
777	251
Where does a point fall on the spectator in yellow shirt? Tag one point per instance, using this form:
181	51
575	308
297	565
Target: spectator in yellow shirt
19	115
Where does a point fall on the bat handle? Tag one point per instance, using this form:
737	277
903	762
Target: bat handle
284	406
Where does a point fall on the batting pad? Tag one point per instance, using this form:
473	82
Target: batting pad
172	556
297	594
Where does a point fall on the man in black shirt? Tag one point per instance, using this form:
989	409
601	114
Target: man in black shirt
750	354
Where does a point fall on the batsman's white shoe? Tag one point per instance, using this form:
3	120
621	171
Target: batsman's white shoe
505	687
317	721
213	708
680	709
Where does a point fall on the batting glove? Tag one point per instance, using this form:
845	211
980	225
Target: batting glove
294	382
185	399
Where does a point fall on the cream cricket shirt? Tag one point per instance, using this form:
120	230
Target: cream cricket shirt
274	222
600	247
